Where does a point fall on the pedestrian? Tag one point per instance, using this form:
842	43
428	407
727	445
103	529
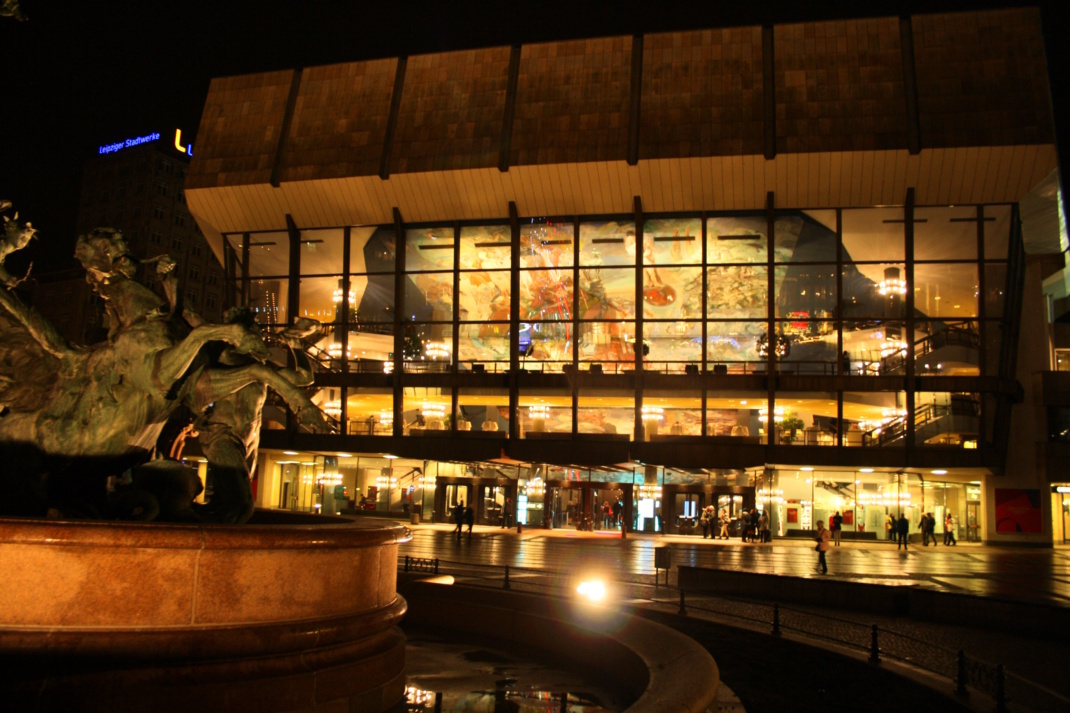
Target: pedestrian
902	527
763	527
469	519
724	522
949	530
928	529
744	525
507	510
704	522
822	546
458	519
836	525
607	514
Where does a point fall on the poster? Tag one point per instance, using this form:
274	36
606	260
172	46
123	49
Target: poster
1018	511
793	514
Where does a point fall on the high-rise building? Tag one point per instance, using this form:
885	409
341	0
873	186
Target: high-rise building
780	266
136	186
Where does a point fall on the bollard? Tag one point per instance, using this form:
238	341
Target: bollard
960	678
436	565
623	530
683	609
406	563
520	528
1001	692
506	586
874	648
776	620
438	702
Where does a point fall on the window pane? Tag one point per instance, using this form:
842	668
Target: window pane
267	298
947	419
606	411
269	254
607	342
321	298
874	290
485	410
672	292
608	243
372	249
736	239
735	345
800	238
806	291
485	247
428	249
997	232
672	241
672	345
374	298
875	419
546	342
321	251
429	297
810	346
546	244
486	344
945	233
546	294
427	347
484	296
737	291
607	293
995	287
669	414
734	414
873	234
945	289
946	348
875	347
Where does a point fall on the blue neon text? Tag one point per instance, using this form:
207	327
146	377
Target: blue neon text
112	148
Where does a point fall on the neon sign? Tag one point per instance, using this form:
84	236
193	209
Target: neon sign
146	139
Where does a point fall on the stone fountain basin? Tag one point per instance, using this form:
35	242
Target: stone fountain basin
287	612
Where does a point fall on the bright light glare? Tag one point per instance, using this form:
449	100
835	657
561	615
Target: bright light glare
594	590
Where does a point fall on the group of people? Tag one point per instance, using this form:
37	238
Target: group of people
901	528
463	516
753	526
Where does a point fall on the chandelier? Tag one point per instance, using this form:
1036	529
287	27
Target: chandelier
334	351
892	284
432	409
333	408
384	481
650	492
537	411
337	297
386	417
535	488
329	479
890	347
653	413
437	350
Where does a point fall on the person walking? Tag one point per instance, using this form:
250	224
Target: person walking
704	522
949	530
458	519
902	527
836	525
763	527
822	539
724	521
507	510
469	519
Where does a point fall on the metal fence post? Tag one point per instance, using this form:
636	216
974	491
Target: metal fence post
683	609
874	647
406	563
960	678
436	565
776	620
506	586
1001	692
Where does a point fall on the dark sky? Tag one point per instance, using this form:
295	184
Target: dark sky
79	74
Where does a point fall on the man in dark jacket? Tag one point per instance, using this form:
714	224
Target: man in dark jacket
902	527
458	518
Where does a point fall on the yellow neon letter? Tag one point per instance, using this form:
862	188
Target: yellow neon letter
178	141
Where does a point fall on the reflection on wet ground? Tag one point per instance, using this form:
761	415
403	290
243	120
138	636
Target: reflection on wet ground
445	674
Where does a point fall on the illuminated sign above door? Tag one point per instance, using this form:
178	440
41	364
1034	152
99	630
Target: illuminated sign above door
146	139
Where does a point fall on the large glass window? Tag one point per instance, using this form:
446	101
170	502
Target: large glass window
607	243
737	239
608	411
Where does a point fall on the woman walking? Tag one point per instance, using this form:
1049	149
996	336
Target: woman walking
822	546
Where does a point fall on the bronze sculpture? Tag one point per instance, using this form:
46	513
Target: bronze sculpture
76	420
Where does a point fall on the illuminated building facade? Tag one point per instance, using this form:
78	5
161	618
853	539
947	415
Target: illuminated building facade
778	267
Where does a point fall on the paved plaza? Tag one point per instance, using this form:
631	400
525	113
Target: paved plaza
924	650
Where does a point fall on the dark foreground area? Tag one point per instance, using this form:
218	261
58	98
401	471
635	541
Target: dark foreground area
774	675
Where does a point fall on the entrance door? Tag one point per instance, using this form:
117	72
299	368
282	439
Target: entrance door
607	508
973	526
457	494
568	507
687	507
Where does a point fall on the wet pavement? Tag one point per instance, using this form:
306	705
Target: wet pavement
1020	574
1035	669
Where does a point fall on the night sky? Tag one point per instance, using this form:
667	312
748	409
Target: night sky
76	75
